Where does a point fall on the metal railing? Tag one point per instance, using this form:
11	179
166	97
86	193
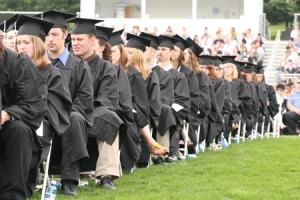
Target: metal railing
271	60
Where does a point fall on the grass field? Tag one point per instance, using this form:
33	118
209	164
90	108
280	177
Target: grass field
259	169
274	28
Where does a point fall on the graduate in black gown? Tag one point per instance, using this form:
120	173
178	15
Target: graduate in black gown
166	121
272	107
69	149
135	48
241	101
178	63
10	30
103	141
182	101
131	147
23	101
251	120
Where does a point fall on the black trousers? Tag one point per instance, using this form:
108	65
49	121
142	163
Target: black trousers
16	160
290	119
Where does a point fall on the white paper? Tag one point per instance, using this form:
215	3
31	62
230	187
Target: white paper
134	111
177	107
39	131
198	112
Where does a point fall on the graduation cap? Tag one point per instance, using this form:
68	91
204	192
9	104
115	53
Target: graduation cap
228	59
137	42
257	69
103	32
33	26
84	25
239	65
9	24
115	38
155	41
249	68
167	41
204	60
216	60
196	49
59	19
182	44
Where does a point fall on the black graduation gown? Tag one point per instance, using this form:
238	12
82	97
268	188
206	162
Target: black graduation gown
205	101
59	103
227	107
154	98
251	120
193	84
181	95
79	79
107	123
129	141
273	107
166	86
23	95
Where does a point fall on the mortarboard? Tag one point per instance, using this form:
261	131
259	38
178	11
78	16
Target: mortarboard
115	38
137	42
9	24
204	60
249	68
84	25
182	44
257	68
228	59
216	60
155	41
168	42
196	49
103	32
33	26
59	19
239	65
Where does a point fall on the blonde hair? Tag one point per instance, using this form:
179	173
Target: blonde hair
234	74
139	62
193	62
39	52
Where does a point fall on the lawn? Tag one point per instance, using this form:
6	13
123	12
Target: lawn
273	28
259	169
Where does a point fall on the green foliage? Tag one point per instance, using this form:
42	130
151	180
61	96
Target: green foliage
71	6
259	169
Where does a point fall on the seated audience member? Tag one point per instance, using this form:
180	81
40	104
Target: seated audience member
280	97
252	58
290	69
293	104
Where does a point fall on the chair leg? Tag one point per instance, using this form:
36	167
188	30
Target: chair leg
46	170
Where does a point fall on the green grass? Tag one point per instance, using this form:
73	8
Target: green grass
259	169
273	28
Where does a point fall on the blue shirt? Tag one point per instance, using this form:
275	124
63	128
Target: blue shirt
63	57
294	99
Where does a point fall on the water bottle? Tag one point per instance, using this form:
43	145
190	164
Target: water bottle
51	191
224	142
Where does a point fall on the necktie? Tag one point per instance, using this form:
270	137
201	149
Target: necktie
56	62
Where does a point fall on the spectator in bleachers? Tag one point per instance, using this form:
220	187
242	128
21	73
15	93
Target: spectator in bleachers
290	68
297	42
156	31
204	33
136	30
259	52
169	32
244	54
262	40
293	104
219	38
184	33
284	61
295	32
228	48
249	38
196	39
294	53
290	43
287	91
207	42
252	57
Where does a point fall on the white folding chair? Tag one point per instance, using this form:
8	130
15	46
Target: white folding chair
184	149
198	137
262	132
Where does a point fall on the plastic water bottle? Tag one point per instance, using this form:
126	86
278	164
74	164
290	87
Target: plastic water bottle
51	191
224	142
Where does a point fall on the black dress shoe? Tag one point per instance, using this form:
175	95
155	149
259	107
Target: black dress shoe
68	188
159	161
106	182
172	158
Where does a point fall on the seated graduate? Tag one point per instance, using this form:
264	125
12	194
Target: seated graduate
103	141
131	146
23	104
69	148
193	83
280	100
249	76
182	101
239	96
293	115
8	27
135	47
269	97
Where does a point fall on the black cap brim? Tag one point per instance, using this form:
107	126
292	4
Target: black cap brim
196	49
115	38
155	41
84	25
137	42
103	32
9	24
33	26
59	19
168	42
182	44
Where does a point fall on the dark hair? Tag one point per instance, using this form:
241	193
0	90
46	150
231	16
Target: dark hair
280	86
106	54
1	48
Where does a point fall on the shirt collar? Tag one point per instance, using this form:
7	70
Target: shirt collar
153	65
63	57
168	67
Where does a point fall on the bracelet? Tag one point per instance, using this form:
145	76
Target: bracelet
156	145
